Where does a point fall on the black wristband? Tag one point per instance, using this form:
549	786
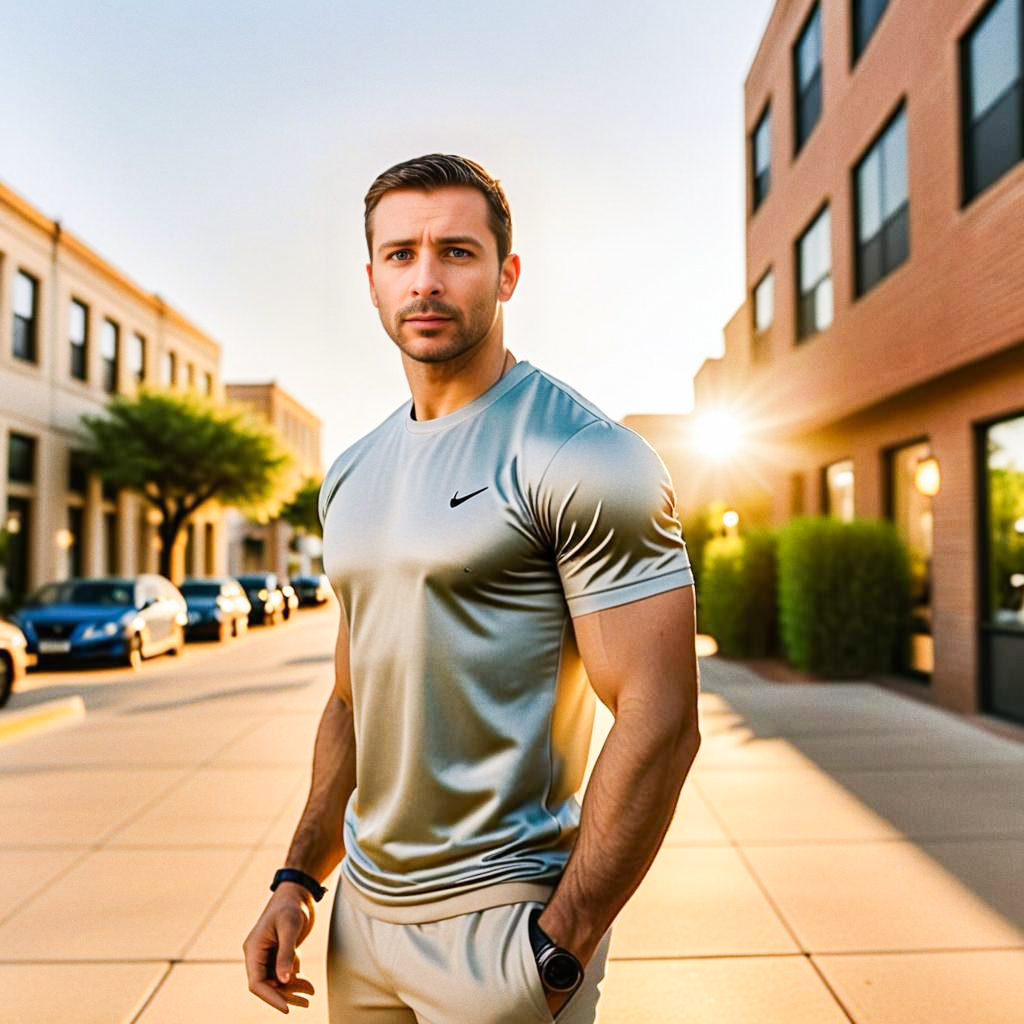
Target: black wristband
300	878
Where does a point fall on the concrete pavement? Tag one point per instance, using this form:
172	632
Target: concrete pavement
839	853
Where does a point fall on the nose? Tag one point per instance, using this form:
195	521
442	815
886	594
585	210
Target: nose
427	281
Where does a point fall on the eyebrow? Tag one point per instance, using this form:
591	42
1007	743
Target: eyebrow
409	243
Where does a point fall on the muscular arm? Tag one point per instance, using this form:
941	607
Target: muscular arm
642	663
271	961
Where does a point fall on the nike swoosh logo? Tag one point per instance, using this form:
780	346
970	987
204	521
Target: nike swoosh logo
458	501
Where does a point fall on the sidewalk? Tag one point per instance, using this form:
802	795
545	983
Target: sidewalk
840	853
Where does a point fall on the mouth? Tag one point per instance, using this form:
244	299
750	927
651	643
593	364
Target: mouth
428	320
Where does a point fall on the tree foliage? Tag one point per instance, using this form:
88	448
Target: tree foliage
181	451
300	512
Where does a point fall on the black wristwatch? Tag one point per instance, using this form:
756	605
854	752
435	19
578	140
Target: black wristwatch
559	970
300	878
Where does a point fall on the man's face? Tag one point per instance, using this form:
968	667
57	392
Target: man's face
434	274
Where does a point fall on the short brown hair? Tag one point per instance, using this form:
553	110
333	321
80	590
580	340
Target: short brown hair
438	170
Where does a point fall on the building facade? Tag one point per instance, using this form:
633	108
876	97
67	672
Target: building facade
877	364
73	332
271	546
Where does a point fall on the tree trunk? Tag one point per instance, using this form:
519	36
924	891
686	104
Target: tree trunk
168	533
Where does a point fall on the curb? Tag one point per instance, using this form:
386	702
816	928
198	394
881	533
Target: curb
52	714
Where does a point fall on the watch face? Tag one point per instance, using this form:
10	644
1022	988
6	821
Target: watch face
561	972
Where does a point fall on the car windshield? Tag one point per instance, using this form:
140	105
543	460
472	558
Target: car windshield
95	592
252	582
200	589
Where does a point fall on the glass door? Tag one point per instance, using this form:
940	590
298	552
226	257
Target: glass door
1002	576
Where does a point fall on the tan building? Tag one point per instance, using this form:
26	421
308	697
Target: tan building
269	546
73	331
877	366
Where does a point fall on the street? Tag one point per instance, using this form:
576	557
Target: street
839	853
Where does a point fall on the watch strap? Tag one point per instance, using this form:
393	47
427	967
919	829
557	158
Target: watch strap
307	882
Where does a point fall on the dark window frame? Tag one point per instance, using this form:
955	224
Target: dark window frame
79	354
26	329
139	346
859	45
894	227
31	447
815	86
760	181
111	366
803	335
970	188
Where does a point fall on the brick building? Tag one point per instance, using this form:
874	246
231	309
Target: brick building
877	365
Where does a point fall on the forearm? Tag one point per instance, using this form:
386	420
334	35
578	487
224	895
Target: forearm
627	809
318	844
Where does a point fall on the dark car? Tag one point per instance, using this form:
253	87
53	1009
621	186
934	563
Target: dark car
124	619
264	592
312	590
216	608
14	659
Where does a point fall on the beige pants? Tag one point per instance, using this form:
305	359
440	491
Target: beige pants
476	968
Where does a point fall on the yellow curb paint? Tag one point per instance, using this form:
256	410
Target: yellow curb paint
19	725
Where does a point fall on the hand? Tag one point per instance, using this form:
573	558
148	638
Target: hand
271	961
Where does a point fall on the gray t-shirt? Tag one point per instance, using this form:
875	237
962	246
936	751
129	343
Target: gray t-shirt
460	548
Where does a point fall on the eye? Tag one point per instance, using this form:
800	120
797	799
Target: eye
399	256
459	253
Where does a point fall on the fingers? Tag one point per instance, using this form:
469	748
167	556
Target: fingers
271	962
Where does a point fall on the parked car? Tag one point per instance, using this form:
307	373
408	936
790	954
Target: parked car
312	590
216	607
125	619
14	659
291	599
265	596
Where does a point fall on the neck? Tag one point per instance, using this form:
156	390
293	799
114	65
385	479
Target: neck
439	389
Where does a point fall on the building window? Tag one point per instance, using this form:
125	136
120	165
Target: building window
111	543
78	475
909	506
866	16
76	536
19	533
26	306
764	303
21	459
207	383
761	148
837	492
796	494
110	346
814	277
78	336
138	367
190	375
883	207
170	369
807	78
208	550
992	53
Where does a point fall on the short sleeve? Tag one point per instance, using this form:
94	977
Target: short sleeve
606	507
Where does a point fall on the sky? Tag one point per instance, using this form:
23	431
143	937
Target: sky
219	153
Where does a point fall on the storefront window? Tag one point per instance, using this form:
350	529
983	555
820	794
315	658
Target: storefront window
911	511
838	490
1003	526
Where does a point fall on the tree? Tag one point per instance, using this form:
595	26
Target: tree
300	513
181	451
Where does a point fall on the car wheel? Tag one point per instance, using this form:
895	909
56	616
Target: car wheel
6	679
134	657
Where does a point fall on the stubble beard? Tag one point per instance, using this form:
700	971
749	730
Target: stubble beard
465	332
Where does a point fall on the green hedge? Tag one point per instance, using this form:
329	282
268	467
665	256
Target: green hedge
844	595
737	594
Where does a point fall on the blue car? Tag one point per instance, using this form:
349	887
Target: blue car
123	619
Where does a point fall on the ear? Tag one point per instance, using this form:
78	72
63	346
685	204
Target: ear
508	278
373	290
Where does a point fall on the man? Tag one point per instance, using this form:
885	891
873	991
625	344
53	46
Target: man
494	543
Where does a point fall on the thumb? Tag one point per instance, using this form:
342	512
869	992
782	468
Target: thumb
285	955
